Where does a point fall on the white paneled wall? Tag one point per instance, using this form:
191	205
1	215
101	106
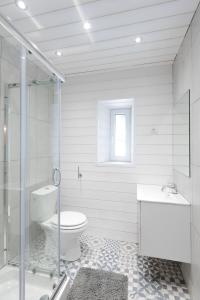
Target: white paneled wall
186	74
107	193
1	182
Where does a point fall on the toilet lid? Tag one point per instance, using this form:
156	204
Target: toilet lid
69	219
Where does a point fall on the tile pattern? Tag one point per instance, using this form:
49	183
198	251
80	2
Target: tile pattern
149	278
37	259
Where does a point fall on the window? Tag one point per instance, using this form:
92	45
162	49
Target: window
115	133
120	134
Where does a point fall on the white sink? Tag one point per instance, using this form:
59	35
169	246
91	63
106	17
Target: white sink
154	193
164	224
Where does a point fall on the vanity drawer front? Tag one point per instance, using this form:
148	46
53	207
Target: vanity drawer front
165	231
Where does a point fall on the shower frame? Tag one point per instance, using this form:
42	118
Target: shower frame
6	154
26	47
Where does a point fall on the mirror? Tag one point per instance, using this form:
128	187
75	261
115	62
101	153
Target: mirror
181	135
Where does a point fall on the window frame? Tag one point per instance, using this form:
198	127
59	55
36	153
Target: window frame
128	114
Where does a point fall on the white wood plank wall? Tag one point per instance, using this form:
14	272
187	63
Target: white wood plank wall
107	194
186	73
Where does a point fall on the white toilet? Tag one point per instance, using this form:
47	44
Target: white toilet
72	224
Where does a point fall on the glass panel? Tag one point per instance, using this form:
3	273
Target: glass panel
39	150
10	171
29	162
120	135
42	260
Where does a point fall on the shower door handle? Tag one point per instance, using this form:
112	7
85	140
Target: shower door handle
56	176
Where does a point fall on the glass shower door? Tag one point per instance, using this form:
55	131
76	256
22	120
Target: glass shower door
29	170
33	152
10	173
42	259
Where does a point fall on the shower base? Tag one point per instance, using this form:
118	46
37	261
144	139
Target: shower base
37	285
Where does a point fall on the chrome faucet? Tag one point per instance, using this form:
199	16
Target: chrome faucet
171	187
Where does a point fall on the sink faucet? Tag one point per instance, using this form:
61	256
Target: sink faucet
171	187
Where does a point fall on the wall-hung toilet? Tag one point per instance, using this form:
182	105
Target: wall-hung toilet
72	224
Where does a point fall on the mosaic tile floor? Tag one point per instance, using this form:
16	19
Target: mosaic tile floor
149	278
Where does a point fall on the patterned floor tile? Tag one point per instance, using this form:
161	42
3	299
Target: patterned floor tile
148	278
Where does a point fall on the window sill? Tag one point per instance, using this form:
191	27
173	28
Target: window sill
115	163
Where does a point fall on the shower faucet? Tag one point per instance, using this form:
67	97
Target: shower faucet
79	173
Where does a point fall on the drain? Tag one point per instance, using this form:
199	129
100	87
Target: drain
44	297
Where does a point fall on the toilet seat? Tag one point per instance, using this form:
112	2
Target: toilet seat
73	224
69	220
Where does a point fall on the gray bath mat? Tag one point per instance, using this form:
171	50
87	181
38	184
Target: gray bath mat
92	284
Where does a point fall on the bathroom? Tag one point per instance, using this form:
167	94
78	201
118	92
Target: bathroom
99	150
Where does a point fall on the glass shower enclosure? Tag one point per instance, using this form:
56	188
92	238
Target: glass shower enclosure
29	170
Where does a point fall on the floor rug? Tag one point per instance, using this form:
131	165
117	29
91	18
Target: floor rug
91	284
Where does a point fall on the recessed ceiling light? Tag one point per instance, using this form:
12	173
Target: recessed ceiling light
21	4
87	25
59	53
138	39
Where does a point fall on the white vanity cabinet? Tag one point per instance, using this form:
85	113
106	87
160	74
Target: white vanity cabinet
164	224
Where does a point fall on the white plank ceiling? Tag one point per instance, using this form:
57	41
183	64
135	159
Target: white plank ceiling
110	43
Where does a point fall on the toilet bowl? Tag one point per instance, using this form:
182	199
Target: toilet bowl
72	224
